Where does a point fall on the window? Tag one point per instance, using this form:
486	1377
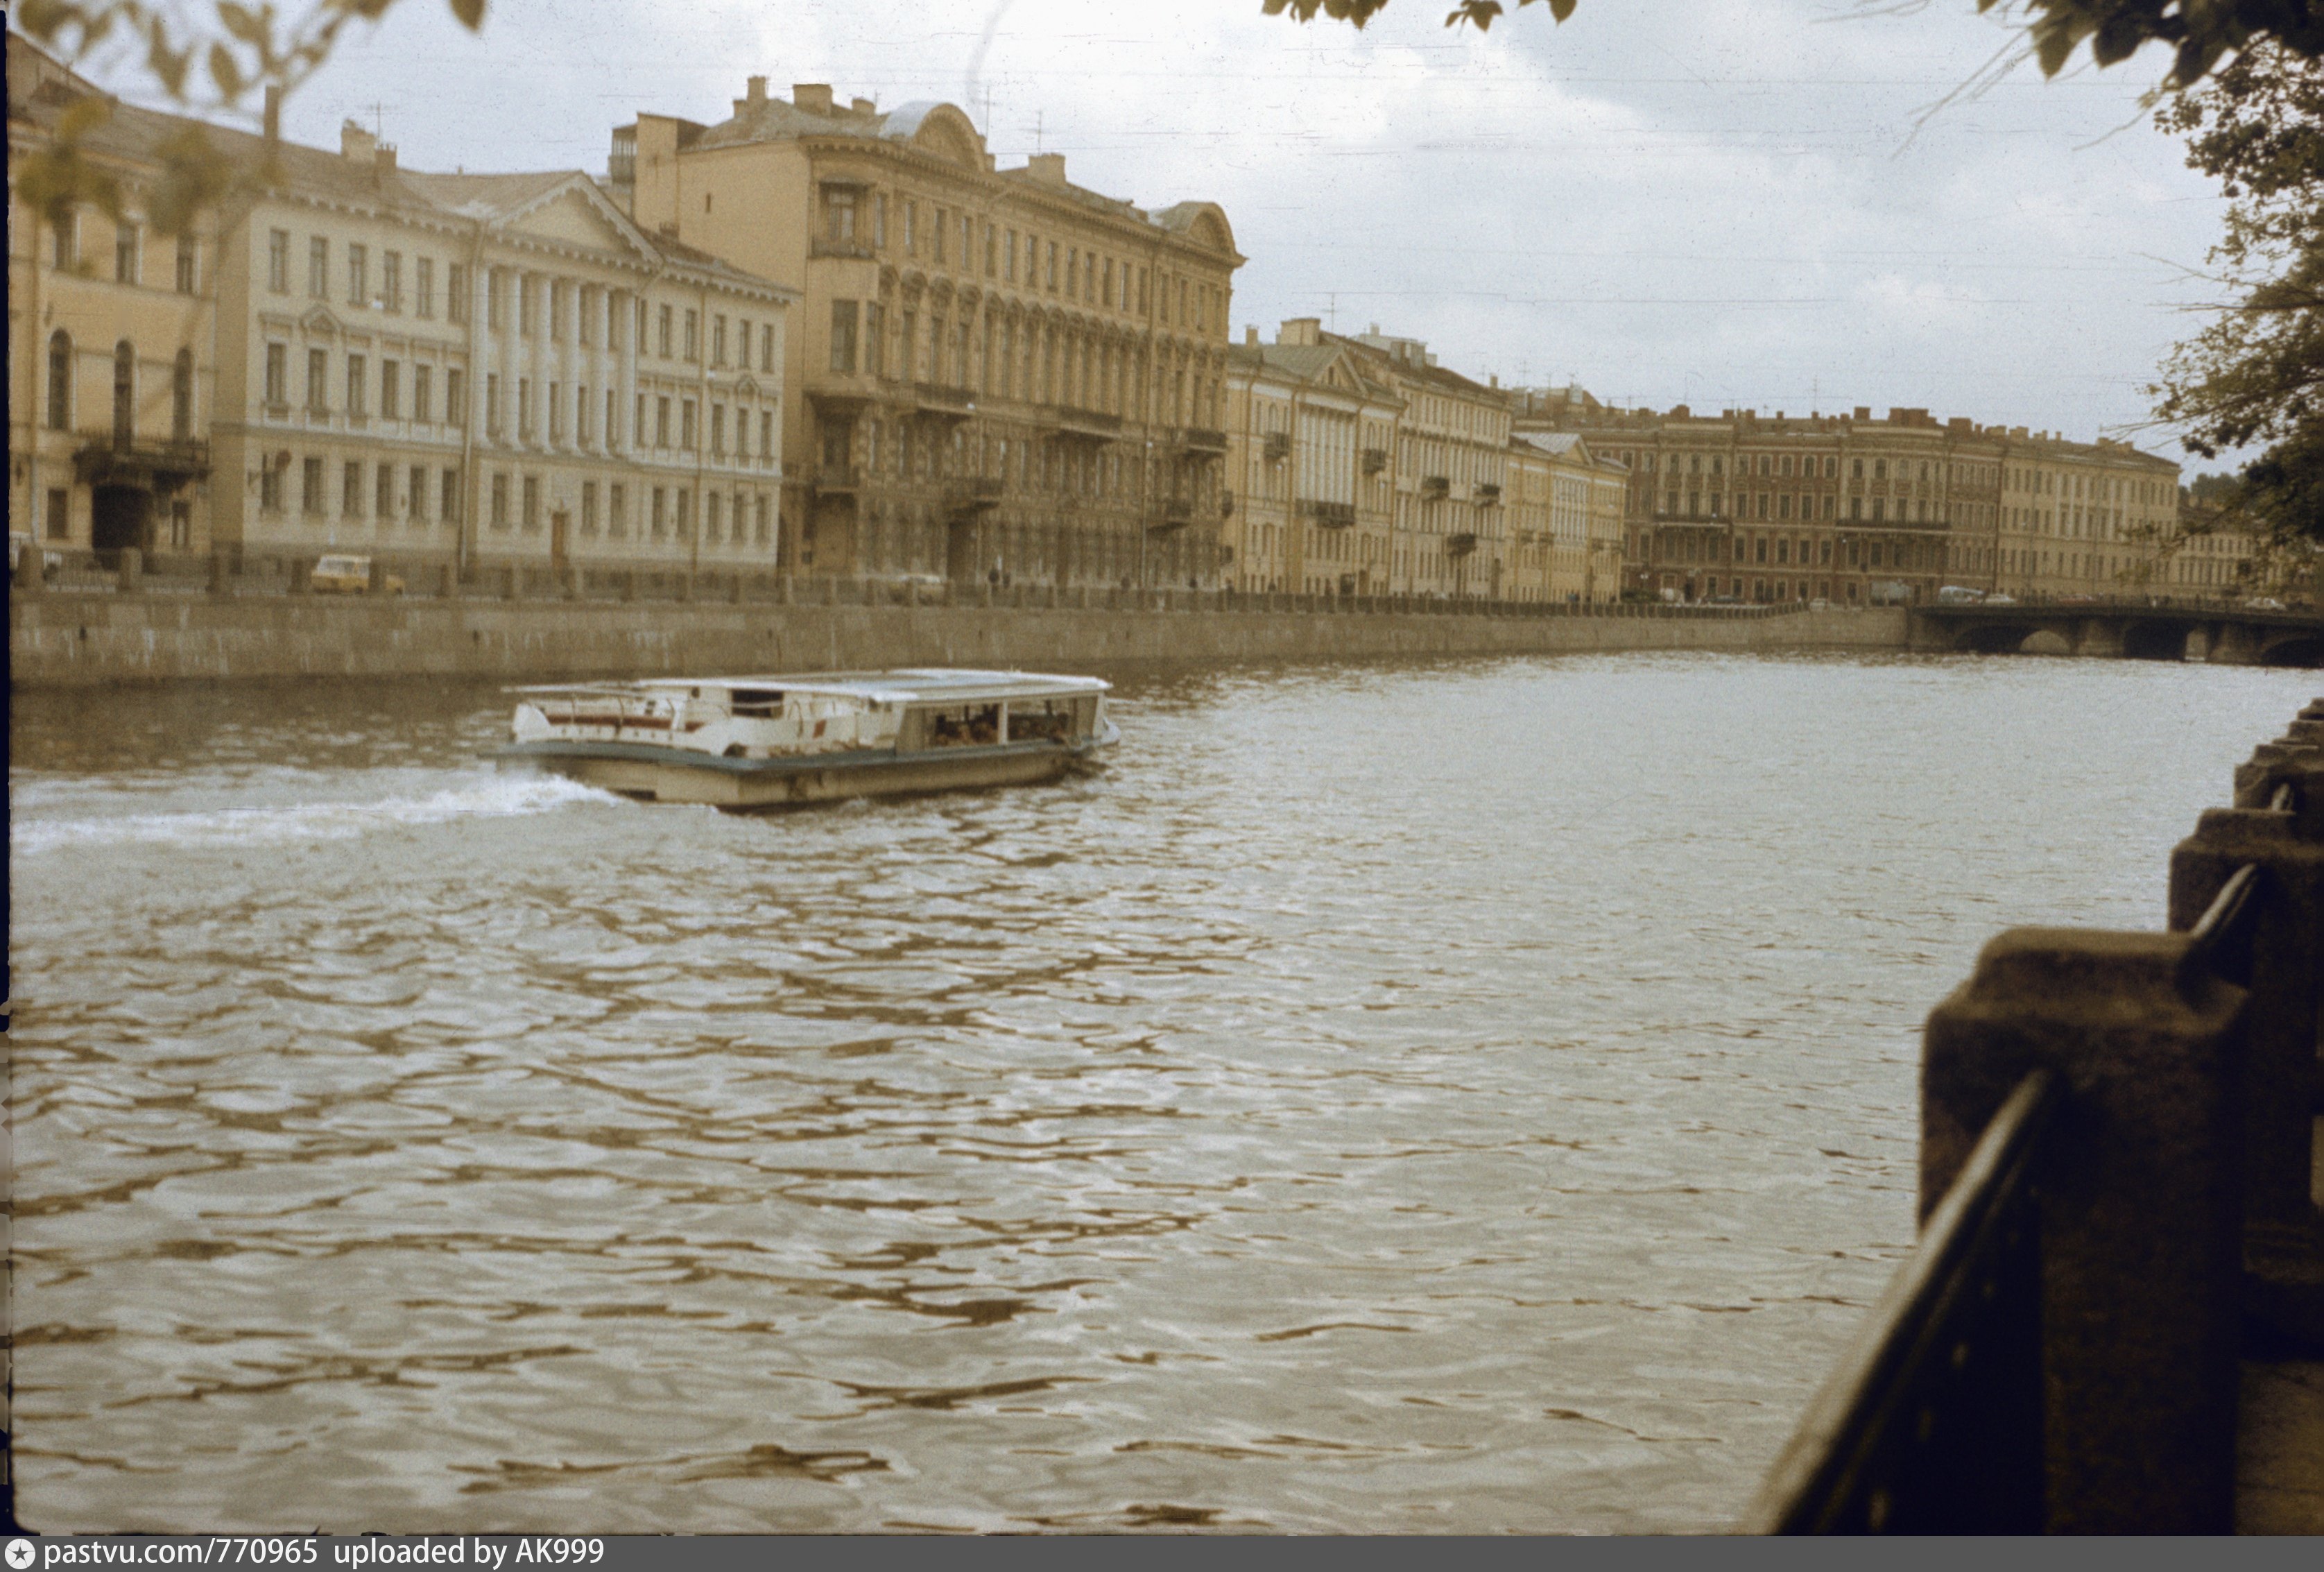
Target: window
500	500
358	276
278	376
693	325
992	250
661	421
61	369
390	280
277	261
528	320
390	390
839	214
711	512
718	340
456	412
310	487
585	316
181	397
685	425
612	420
416	495
1053	267
491	298
186	280
766	435
449	505
759	527
638	431
356	400
351	489
455	291
660	524
422	379
880	220
383	501
661	338
617	515
525	409
875	356
531	504
124	254
684	513
492	403
718	431
581	414
423	286
1009	257
843	335
270	489
911	228
588	507
319	390
767	347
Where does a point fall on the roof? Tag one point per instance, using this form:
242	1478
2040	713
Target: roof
903	686
140	136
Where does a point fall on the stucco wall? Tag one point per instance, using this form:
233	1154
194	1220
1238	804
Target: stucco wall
67	640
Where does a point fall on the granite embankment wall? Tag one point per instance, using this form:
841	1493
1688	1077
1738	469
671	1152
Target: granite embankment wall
74	640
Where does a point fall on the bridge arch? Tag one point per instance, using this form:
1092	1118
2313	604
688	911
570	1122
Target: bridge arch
2155	639
1994	638
2298	648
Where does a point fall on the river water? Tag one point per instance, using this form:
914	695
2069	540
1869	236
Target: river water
1472	1096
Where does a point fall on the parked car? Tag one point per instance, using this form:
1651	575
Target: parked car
343	575
1999	599
2264	603
1819	604
1959	594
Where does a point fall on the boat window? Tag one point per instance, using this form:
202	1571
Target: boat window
765	703
1050	723
969	725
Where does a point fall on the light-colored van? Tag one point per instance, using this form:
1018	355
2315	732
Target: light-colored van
346	575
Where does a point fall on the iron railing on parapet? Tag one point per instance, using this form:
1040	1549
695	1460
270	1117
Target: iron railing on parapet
2116	1136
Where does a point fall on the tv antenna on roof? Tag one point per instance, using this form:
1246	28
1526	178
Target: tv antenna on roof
378	121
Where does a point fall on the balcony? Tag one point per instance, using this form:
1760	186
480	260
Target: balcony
844	250
1329	515
941	402
1202	440
838	480
1488	495
1089	425
1375	461
1459	545
1278	446
1435	487
973	493
156	466
1177	512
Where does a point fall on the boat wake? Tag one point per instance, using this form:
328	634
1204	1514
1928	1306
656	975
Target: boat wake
497	796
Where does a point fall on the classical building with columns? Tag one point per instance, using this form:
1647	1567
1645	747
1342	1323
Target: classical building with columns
464	369
1308	437
998	374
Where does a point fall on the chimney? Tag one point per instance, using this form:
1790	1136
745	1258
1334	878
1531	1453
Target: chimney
273	123
814	98
1863	413
1049	168
382	159
754	91
1493	379
1250	335
1306	332
356	142
864	107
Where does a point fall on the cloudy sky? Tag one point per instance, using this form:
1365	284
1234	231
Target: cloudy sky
1720	202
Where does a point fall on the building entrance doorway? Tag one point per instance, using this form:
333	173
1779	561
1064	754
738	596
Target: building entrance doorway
120	517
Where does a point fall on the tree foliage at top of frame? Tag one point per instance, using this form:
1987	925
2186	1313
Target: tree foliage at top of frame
2200	33
2256	376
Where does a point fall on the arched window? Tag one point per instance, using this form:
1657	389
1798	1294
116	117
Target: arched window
124	393
61	367
181	397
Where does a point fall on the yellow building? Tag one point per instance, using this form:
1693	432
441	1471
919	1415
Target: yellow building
1307	442
469	369
1582	525
112	369
1002	374
1447	472
2081	518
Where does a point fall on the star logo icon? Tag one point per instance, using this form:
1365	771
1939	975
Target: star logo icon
20	1554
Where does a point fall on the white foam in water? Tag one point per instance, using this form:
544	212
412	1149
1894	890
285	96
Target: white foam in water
478	797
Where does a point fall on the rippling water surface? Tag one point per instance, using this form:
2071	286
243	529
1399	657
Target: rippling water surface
1458	1097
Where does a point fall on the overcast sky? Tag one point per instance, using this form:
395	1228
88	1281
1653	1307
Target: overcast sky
1722	202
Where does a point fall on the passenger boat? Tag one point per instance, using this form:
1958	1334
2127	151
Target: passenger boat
743	742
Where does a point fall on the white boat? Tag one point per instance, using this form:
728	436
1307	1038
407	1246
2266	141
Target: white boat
745	743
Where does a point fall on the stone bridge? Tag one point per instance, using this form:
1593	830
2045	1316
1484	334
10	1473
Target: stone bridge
2234	637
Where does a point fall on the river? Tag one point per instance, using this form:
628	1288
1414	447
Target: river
1470	1095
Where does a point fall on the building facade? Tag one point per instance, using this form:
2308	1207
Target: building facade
1001	374
1308	439
452	369
1447	470
112	370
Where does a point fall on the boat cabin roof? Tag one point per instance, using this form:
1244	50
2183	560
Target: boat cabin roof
931	685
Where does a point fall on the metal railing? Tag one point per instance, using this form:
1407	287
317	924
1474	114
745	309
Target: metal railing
2116	1167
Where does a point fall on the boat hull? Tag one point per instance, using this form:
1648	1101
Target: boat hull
658	774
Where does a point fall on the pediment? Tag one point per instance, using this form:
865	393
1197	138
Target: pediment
575	217
319	319
747	388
